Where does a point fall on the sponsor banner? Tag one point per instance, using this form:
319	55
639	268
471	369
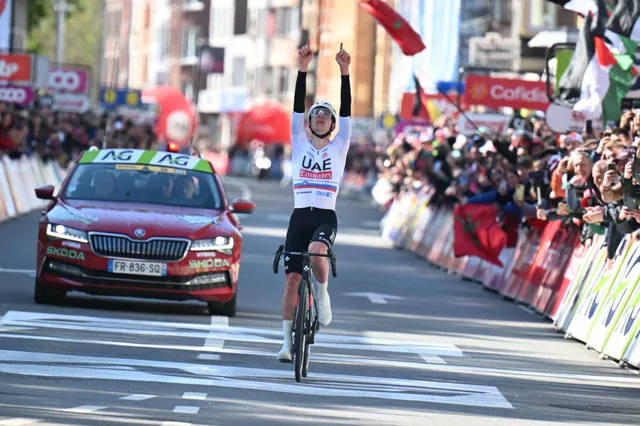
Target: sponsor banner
593	295
555	263
576	269
71	103
505	92
112	98
19	95
15	68
612	329
496	123
151	158
68	80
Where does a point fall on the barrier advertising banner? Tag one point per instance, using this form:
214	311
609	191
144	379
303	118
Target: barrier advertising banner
592	298
604	334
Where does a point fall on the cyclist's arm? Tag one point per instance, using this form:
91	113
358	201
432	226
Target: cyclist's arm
297	120
344	133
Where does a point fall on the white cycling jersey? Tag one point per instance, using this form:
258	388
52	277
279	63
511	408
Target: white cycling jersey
317	174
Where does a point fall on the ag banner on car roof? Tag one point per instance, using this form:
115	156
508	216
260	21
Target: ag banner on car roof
139	156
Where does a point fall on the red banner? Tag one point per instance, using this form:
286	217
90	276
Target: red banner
505	92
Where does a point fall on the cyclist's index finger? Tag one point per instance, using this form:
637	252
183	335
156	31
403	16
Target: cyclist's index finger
341	47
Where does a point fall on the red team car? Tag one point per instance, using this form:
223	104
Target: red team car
141	223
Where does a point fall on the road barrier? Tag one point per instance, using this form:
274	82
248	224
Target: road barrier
588	297
18	178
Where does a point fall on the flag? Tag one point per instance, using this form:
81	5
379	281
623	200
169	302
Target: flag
410	41
625	19
477	233
420	102
582	7
599	74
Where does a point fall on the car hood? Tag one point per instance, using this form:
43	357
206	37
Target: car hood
155	220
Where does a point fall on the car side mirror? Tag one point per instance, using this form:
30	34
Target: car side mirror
45	192
242	206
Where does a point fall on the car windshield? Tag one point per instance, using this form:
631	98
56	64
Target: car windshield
136	183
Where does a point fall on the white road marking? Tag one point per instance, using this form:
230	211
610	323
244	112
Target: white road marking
186	409
212	357
216	332
281	381
85	409
137	397
19	421
344	238
215	341
376	298
194	395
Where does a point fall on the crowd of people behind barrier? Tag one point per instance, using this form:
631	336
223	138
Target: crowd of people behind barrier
588	181
60	136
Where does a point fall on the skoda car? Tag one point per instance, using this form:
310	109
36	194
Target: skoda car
138	223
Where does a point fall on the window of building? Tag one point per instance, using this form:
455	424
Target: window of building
189	42
268	81
238	72
187	89
240	17
284	81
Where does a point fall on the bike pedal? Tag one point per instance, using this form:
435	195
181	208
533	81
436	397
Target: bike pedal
286	361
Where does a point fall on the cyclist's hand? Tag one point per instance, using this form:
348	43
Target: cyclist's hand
305	55
344	60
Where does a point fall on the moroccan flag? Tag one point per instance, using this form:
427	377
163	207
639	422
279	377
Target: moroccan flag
410	41
477	233
625	19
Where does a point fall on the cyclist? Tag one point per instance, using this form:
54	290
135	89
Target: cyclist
317	169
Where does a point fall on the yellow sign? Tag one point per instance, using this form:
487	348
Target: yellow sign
388	121
132	98
157	169
110	96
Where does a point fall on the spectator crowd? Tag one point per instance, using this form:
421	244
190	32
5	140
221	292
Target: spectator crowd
588	180
61	136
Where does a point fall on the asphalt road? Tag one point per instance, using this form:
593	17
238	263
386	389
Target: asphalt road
434	351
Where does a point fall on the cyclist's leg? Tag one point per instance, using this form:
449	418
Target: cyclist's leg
298	236
323	238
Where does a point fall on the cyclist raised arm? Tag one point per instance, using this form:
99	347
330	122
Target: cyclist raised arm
317	170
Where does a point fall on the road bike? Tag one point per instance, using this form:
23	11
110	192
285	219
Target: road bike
305	319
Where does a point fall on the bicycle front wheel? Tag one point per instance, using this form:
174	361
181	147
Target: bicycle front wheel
302	313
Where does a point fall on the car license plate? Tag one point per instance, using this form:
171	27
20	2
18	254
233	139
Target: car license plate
137	268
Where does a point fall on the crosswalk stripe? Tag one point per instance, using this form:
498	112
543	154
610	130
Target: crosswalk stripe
19	421
186	409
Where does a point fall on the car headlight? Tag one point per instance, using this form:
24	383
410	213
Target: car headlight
66	233
221	244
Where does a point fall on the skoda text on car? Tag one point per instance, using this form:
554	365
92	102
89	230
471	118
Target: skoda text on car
140	223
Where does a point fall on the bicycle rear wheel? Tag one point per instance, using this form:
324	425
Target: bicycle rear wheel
302	312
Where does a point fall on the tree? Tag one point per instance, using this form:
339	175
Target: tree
40	12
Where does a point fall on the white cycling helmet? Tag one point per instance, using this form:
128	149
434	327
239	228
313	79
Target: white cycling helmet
326	105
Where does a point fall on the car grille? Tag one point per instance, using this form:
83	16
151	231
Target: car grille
123	247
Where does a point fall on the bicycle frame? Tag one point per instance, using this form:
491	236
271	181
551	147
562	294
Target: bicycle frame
304	338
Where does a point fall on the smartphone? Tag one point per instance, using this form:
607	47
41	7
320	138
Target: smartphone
612	167
520	193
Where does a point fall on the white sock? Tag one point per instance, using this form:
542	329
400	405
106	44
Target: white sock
322	288
287	328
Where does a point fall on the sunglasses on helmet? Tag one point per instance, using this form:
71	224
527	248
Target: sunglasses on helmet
321	112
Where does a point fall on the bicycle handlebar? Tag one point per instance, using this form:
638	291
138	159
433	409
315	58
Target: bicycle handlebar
330	255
